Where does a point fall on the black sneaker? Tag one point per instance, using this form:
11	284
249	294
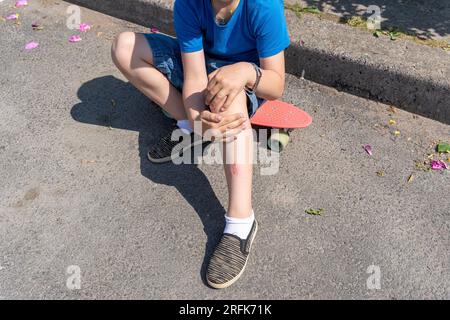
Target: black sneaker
166	149
229	259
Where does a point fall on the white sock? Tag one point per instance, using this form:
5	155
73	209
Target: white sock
239	227
185	125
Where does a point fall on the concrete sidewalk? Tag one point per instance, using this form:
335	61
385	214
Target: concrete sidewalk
408	75
429	18
77	189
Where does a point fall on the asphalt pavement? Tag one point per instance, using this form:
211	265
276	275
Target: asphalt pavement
78	194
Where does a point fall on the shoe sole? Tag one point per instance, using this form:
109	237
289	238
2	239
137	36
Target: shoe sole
171	158
229	283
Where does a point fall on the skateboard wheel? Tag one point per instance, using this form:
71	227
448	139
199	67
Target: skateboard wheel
278	141
166	114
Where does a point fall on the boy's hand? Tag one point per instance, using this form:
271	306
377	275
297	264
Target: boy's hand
221	127
225	84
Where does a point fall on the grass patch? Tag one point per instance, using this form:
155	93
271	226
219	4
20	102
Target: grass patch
355	21
298	9
393	33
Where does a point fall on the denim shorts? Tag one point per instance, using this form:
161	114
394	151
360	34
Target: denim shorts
167	59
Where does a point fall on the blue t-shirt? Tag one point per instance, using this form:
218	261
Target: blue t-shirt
257	29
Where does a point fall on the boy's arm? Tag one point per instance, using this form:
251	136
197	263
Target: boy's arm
194	90
195	83
226	82
271	85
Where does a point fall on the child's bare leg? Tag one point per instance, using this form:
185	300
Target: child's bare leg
230	256
134	58
238	165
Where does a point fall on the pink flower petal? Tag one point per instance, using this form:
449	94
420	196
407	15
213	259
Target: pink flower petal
154	30
84	27
13	16
368	149
21	3
439	165
74	39
32	45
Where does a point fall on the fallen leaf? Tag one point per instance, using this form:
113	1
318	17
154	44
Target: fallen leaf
368	149
411	178
99	34
378	33
84	161
392	109
74	39
37	27
396	133
392	122
443	147
394	35
381	173
314	212
32	45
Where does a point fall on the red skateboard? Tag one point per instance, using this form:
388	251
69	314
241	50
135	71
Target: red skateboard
280	115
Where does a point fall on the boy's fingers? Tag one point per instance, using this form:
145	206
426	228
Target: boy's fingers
230	98
211	94
212	75
219	100
212	80
232	121
211	117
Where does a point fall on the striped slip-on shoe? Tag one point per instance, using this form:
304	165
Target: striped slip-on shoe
229	259
166	149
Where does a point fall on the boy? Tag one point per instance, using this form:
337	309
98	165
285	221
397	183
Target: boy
228	59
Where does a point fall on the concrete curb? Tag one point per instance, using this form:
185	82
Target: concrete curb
402	73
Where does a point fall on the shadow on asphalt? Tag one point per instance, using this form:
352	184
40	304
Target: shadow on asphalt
110	102
421	17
